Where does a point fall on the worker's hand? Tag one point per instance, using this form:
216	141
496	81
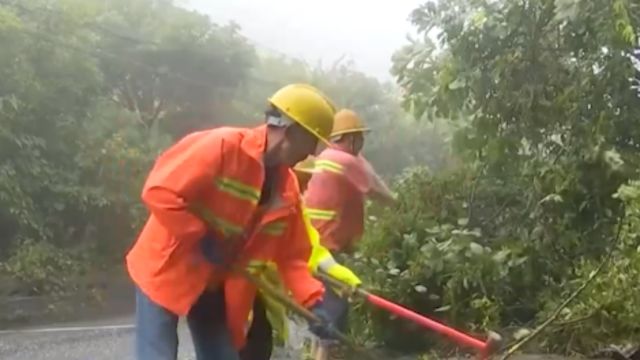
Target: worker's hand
211	249
331	310
325	329
344	275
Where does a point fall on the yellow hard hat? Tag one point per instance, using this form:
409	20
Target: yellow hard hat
347	121
307	106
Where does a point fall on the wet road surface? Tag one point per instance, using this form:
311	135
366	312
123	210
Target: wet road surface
111	339
107	340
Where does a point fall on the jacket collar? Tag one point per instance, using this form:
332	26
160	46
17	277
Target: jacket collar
255	142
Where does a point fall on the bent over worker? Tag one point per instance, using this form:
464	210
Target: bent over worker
218	200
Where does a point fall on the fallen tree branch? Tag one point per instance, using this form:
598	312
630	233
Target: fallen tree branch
572	297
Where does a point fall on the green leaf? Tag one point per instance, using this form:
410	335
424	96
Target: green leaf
476	249
457	84
420	289
501	256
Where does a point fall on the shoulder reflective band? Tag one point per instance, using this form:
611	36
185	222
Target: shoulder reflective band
328	165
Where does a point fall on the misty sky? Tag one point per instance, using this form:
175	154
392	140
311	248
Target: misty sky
367	32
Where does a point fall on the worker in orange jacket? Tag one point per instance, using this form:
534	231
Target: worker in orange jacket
220	199
341	179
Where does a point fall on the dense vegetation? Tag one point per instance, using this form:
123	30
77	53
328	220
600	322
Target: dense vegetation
546	125
526	134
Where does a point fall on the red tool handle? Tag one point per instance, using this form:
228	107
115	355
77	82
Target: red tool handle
483	349
459	337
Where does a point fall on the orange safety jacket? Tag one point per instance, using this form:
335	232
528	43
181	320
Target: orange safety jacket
220	173
335	196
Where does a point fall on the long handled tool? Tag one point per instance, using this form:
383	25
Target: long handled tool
299	310
484	349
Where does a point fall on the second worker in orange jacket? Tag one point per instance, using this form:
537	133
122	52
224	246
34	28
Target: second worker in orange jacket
341	178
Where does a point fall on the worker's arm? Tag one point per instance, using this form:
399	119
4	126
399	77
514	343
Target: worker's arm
379	190
325	263
177	179
333	306
293	263
364	177
321	260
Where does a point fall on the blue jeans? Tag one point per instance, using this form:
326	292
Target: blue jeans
157	329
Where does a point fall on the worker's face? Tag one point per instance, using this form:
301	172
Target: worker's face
357	142
353	142
297	145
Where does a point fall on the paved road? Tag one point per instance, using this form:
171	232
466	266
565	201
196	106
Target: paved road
112	339
106	340
80	341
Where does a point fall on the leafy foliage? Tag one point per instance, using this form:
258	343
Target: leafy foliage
80	117
396	142
44	267
174	66
443	259
539	95
607	309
